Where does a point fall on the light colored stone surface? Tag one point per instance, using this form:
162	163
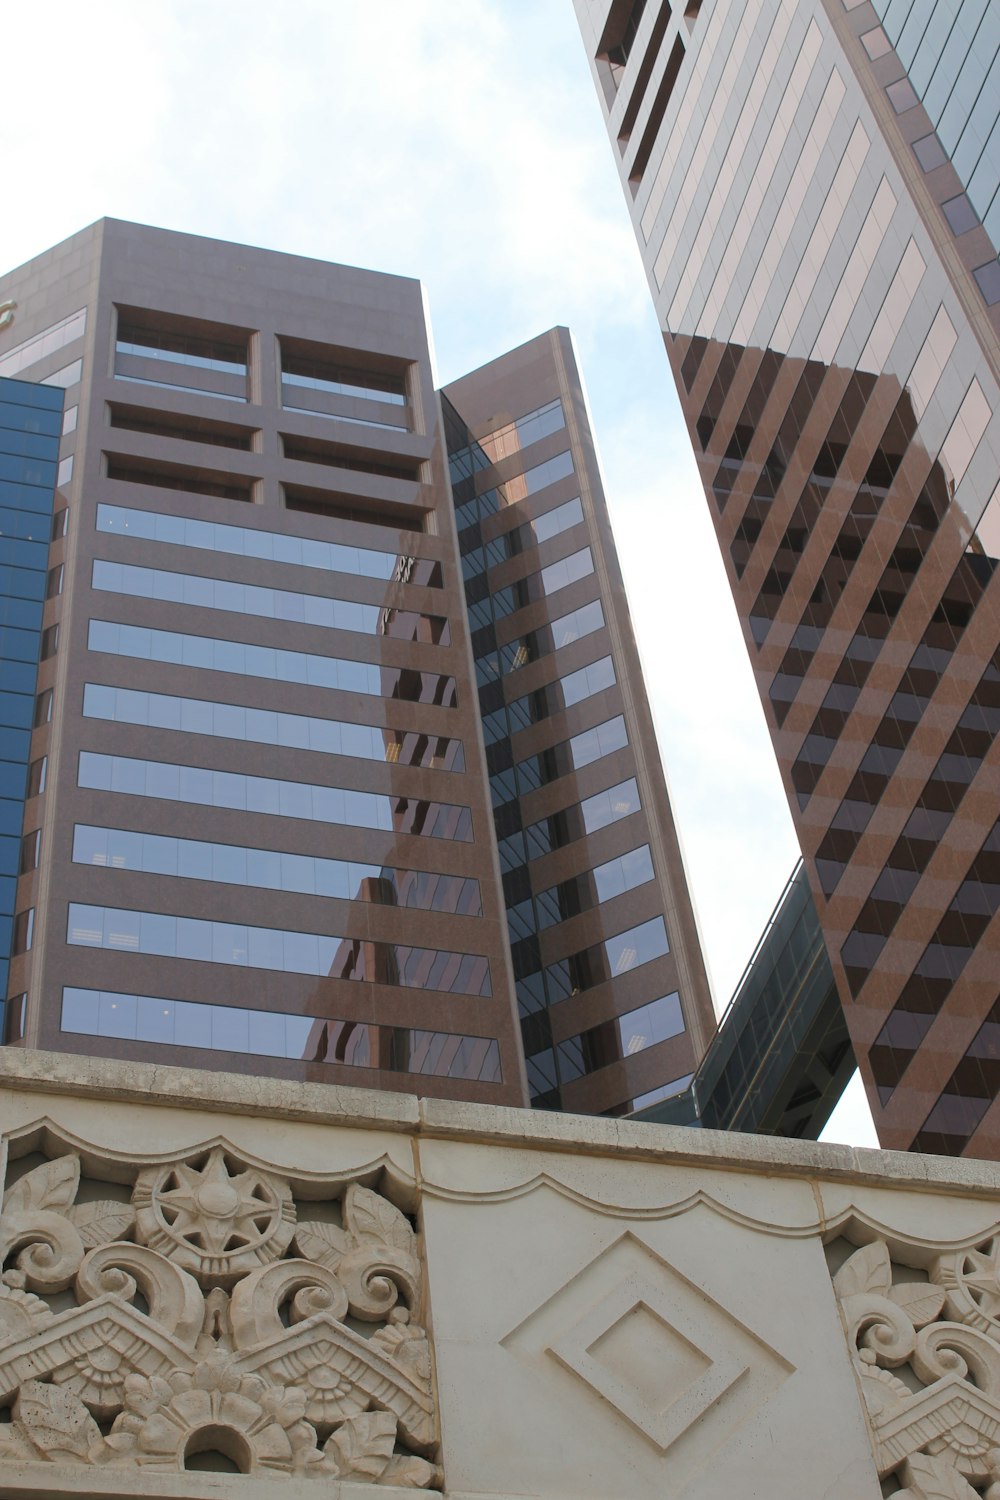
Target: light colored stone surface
614	1311
653	1333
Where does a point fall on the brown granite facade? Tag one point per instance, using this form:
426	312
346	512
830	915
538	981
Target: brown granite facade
260	832
839	369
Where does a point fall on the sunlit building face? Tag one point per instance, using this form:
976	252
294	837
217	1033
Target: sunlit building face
815	191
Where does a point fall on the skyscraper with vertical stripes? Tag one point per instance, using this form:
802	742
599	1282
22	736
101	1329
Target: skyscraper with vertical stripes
815	191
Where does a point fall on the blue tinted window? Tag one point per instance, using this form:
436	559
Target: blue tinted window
265	794
250	599
275	948
214	654
314	1039
241	541
232	864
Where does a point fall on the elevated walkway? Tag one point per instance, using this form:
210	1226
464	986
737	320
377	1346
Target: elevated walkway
781	1057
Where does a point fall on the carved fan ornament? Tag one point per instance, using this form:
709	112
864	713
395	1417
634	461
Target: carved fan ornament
927	1357
204	1316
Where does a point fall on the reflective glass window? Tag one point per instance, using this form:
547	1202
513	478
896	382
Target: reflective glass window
613	957
271	546
212	654
648	1024
268	727
640	945
567	570
902	95
266	794
32	351
232	864
523	431
554	522
960	214
201	354
988	280
593	887
223	1028
929	152
553	469
664	1091
275	948
608	807
594	744
587	681
268	603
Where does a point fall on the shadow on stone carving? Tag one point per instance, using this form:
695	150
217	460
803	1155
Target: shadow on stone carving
924	1328
210	1319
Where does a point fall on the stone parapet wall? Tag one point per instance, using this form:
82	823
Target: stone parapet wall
220	1287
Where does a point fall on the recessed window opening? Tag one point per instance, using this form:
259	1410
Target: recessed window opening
352	508
181	341
644	74
343	456
319	367
616	43
183	477
183	428
657	112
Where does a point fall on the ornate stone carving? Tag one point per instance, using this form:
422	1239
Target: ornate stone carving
212	1218
205	1316
925	1339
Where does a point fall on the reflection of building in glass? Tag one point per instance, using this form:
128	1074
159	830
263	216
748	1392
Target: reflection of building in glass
814	197
263	821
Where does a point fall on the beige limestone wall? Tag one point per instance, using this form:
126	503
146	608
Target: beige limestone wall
331	1289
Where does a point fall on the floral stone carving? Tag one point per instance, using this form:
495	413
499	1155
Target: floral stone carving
925	1340
203	1316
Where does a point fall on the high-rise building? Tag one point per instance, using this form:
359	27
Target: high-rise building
269	741
814	190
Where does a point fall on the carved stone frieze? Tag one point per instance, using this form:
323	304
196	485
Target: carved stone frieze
207	1316
924	1333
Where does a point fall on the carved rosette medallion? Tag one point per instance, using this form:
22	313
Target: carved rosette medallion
206	1317
924	1333
213	1218
972	1285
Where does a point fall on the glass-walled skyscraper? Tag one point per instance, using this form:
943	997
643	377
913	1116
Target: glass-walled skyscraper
813	189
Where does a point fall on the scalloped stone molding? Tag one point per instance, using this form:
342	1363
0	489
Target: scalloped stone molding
287	1290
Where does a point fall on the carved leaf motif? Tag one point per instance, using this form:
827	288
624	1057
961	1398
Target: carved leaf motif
53	1185
867	1271
57	1422
919	1300
371	1217
881	1389
362	1447
409	1473
935	1479
14	1444
101	1223
322	1242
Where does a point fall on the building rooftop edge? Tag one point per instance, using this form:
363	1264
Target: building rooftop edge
108	223
27	1070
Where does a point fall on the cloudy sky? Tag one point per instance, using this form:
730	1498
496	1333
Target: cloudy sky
459	141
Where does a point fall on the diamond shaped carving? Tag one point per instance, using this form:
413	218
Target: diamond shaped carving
674	1363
